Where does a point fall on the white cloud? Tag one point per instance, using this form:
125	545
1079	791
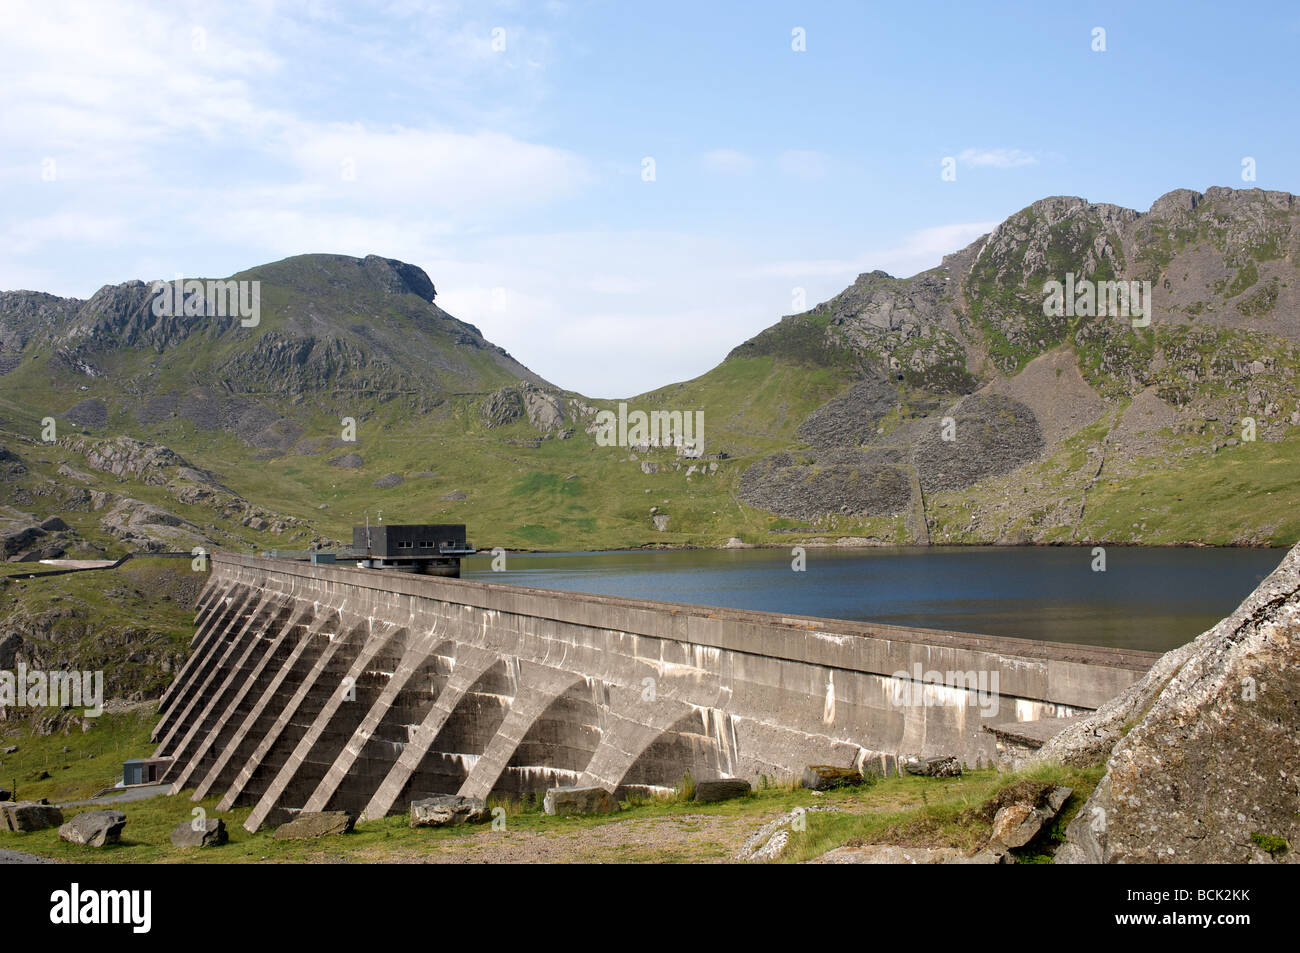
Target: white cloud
996	158
728	160
916	252
434	168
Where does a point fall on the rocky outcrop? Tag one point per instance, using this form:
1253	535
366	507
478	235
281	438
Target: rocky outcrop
502	407
1202	752
545	410
150	527
397	277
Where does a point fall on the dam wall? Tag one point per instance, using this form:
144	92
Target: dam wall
330	687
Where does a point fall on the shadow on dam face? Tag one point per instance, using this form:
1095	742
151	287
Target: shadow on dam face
323	687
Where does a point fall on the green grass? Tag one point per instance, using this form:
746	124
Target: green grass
938	812
93	764
906	810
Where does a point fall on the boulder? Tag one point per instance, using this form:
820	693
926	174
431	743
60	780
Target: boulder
28	816
208	832
721	789
943	767
579	800
311	824
448	810
1206	768
823	777
1019	822
94	828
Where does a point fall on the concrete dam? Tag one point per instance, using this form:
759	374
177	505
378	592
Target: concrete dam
330	688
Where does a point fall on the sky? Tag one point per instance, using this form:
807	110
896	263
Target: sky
617	193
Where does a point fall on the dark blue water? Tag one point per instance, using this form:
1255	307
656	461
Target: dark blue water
1148	598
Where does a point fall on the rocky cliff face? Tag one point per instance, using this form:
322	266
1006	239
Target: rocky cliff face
1202	754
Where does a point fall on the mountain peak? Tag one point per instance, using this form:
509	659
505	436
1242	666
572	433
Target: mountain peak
398	277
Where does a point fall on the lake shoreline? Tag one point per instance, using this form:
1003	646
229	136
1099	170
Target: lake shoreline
850	547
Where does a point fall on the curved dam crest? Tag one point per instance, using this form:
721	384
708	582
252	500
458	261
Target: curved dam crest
323	687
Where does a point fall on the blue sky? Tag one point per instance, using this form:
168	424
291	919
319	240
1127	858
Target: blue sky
501	147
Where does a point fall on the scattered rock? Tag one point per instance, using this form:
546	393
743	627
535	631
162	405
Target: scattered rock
310	824
208	832
347	461
1017	824
28	816
660	521
388	481
942	767
768	841
721	789
579	800
94	828
88	413
451	497
823	777
448	810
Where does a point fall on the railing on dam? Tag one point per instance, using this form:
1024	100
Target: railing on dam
314	686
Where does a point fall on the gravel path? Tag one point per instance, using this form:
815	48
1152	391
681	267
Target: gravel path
18	857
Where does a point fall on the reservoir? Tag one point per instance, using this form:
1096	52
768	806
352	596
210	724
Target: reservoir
1152	598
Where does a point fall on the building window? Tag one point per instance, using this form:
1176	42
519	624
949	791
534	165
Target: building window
404	544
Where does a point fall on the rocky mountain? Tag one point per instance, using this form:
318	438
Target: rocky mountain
953	406
946	407
967	373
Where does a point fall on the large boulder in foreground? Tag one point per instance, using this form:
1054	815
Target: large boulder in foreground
94	828
1203	751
